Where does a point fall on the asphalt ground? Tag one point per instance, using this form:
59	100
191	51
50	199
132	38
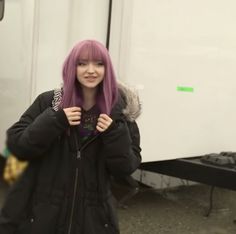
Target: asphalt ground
180	210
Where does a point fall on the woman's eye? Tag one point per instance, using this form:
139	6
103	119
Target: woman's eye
81	64
100	63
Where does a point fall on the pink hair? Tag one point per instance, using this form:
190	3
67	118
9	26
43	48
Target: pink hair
107	92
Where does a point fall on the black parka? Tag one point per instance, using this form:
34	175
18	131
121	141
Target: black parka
65	189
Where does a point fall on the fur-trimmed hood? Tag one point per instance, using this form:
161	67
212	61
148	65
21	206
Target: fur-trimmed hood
132	108
128	104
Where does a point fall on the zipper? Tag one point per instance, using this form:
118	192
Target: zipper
73	201
78	157
91	140
75	189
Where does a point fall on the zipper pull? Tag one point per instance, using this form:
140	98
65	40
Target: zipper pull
78	155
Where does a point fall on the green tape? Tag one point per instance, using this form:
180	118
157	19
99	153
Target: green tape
185	89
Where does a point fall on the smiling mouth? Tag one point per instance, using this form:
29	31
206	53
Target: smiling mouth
90	77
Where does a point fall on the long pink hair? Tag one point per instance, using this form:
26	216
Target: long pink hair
107	91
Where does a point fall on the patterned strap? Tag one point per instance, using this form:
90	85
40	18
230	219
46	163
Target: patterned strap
57	97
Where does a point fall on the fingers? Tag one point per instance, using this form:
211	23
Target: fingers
104	121
73	115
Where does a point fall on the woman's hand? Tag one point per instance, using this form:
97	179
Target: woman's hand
104	121
73	115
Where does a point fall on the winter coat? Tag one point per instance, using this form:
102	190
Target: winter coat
66	189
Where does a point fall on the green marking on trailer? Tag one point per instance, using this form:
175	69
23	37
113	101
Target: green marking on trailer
185	89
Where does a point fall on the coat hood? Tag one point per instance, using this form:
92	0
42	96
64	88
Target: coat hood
132	106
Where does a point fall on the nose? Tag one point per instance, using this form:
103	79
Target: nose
90	68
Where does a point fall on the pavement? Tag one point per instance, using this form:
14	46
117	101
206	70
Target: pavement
181	210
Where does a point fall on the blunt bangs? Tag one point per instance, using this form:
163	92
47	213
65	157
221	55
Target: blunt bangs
91	51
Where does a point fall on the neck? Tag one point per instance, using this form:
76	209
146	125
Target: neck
89	96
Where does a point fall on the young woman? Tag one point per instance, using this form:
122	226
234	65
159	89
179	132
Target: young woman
74	138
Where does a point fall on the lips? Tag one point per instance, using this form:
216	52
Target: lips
90	77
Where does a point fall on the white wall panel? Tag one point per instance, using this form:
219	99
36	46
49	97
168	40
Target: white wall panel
16	32
164	45
60	24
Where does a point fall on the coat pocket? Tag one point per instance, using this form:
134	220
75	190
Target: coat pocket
96	220
45	216
24	227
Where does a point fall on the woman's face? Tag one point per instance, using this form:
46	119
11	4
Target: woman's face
90	73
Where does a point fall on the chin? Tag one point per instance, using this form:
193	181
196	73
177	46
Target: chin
90	86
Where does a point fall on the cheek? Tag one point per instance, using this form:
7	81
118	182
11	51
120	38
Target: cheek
102	72
78	76
79	73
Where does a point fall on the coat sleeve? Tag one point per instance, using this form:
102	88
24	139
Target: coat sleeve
122	148
36	130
